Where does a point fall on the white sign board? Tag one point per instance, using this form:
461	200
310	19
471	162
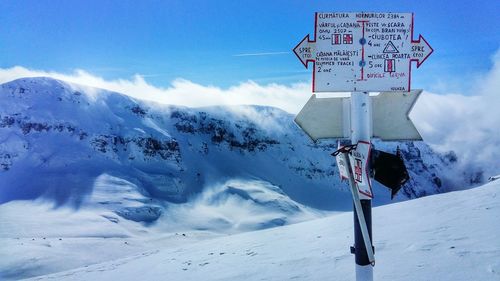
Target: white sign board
391	116
344	174
362	52
359	159
323	118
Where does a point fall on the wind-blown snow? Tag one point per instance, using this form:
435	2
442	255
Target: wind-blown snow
237	206
449	236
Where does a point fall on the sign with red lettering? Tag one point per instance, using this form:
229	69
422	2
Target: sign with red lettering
359	159
362	52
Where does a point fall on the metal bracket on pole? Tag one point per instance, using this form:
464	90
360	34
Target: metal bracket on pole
359	211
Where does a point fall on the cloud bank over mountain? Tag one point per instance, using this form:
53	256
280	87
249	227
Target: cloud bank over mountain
466	124
181	91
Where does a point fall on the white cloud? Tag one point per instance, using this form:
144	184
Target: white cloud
181	91
469	125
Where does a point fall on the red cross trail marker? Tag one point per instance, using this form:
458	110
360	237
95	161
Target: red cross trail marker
359	159
357	171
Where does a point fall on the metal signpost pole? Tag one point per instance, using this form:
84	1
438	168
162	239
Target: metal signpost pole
361	131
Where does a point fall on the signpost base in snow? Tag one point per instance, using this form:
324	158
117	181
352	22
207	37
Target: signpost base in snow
364	272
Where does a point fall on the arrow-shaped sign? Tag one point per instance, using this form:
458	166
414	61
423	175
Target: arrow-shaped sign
323	118
362	52
305	50
391	119
420	50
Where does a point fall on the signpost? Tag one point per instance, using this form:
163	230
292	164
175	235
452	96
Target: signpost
356	52
361	53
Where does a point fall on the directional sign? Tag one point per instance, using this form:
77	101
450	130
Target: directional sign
323	118
391	112
362	52
342	165
359	159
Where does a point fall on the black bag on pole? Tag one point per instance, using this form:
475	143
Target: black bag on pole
389	170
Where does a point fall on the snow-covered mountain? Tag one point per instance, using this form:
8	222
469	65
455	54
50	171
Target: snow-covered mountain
58	138
75	145
91	168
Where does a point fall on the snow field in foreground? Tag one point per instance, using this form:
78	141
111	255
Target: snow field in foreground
450	236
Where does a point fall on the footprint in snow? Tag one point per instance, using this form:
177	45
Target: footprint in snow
494	269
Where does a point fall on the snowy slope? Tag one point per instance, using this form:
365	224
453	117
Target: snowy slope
449	236
38	237
84	169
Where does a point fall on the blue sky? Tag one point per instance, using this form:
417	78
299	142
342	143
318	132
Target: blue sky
202	40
